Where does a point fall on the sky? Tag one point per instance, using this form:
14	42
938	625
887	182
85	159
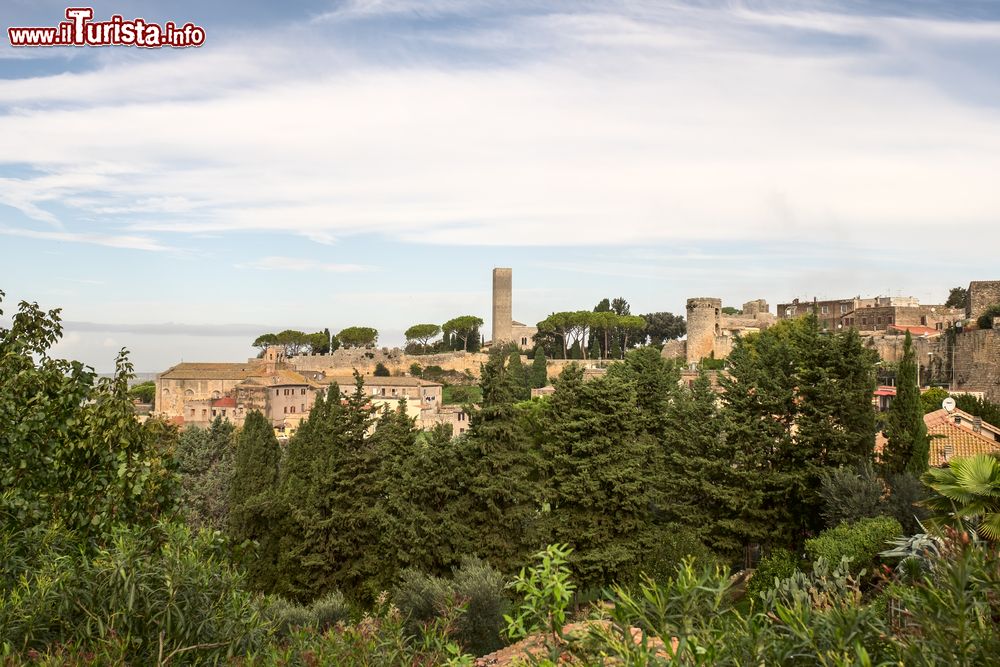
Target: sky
368	162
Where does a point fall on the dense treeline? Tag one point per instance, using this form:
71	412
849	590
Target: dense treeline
620	467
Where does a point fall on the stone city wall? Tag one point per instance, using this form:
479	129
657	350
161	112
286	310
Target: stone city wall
343	362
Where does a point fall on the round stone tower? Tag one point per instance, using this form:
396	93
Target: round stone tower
704	319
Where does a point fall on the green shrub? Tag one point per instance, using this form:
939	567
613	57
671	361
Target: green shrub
777	565
850	494
475	585
667	547
905	503
163	588
824	588
331	609
286	616
860	541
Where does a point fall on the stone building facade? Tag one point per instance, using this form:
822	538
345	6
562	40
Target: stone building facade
982	295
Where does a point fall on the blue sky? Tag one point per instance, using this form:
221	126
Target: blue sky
368	162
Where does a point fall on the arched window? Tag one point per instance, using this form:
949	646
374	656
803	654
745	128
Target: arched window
216	394
189	392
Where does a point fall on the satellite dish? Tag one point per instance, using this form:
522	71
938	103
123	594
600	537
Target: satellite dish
948	404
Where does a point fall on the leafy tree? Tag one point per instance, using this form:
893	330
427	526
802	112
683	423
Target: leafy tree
294	341
967	494
144	391
550	342
908	446
931	399
464	328
319	342
416	370
265	341
979	407
355	337
255	505
422	333
73	452
729	310
381	370
539	369
205	459
985	320
958	297
661	327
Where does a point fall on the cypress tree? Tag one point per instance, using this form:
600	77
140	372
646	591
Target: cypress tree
908	446
519	376
330	487
655	381
699	487
758	413
596	486
504	490
539	369
254	503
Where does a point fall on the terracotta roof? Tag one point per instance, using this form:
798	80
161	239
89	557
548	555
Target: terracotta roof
224	402
949	440
200	371
885	391
915	330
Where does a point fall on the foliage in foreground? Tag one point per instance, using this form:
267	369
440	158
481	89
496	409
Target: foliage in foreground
950	616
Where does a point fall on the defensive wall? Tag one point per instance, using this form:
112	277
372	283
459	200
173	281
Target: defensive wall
345	361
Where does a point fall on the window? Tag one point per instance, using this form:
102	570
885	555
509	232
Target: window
524	340
213	412
303	391
303	407
204	412
878	320
824	310
192	412
277	392
286	409
843	308
223	413
393	391
291	409
864	320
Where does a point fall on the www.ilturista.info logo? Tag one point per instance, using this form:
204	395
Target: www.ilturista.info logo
80	30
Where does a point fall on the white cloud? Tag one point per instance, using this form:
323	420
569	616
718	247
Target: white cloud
654	125
130	241
298	264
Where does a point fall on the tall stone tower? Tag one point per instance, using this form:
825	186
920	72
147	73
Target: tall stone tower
503	318
704	319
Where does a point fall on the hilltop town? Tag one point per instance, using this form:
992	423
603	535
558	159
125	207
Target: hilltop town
953	352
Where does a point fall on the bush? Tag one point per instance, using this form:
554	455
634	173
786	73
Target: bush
904	503
667	547
860	541
331	609
985	320
161	589
850	494
778	565
474	585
